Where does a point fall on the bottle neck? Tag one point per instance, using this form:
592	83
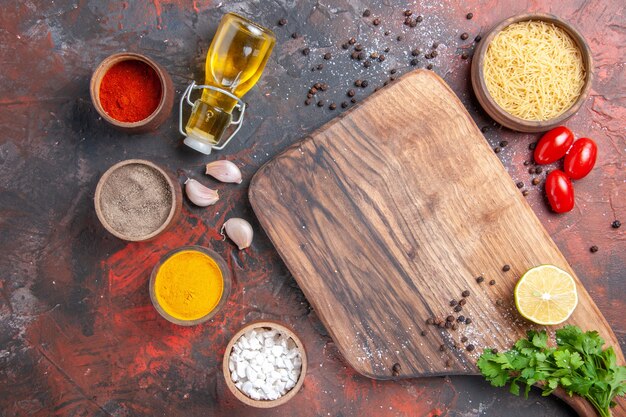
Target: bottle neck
218	100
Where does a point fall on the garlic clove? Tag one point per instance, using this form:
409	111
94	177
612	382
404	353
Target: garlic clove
224	171
199	194
239	231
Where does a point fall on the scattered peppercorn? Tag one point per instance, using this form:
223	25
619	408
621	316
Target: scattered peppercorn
306	51
399	38
414	62
469	16
345	46
442	347
484	129
525	193
320	66
470	347
381	58
320	103
460	319
536	181
499	302
332	106
344	104
520	184
408	13
526	163
327	56
435	45
464	36
448	324
468	321
424	332
367	13
396	367
453	303
307	101
376	22
387	33
364	83
465	293
463	339
458	308
477	38
352	41
419	18
497	149
361	56
506	268
462	302
504	143
357	83
429	66
295	35
448	363
494	350
454	326
393	71
532	146
413	23
593	249
350	93
531	170
434	54
616	224
492	282
367	64
430	320
538	170
387	49
353	100
480	279
450	318
358	47
282	22
354	55
464	55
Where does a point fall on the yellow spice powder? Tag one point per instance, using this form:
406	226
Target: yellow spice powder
189	285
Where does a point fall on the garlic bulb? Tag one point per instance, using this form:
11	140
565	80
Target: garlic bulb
239	231
199	194
224	171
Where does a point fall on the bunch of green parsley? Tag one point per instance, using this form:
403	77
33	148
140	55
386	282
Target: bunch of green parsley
578	364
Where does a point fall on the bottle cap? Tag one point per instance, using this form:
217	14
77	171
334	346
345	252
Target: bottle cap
199	145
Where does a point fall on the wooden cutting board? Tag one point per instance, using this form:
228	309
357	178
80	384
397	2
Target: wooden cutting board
388	213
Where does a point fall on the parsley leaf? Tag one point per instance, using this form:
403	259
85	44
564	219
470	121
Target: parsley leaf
578	364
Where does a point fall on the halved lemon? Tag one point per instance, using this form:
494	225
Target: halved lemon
546	295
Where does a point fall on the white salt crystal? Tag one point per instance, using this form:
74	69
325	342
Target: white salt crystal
277	350
255	344
254	394
290	384
280	363
268	342
267	368
241	368
247	387
293	375
251	374
234	376
288	364
231	364
258	383
243	343
239	385
248	354
269	333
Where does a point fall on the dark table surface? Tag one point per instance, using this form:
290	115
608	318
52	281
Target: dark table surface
78	334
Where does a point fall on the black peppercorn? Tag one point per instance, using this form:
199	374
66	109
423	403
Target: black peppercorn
306	51
593	249
367	64
387	33
361	56
494	350
453	303
506	268
470	347
469	16
504	143
430	320
526	163
387	49
282	22
434	54
357	83
345	46
477	38
448	363
520	184
414	62
525	193
462	302
450	318
465	293
484	129
393	71
295	35
458	308
327	56
415	52
353	100
352	41
419	18
464	55
367	13
399	38
396	367
480	279
464	36
320	103
492	282
468	321
358	47
351	93
320	66
616	224
376	22
332	106
354	55
538	170
307	102
344	104
423	332
536	181
497	149
532	146
429	66
364	83
461	319
463	339
408	13
381	58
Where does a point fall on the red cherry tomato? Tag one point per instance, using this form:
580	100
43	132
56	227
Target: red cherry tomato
560	191
580	159
553	145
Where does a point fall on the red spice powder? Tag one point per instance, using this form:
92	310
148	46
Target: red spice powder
130	91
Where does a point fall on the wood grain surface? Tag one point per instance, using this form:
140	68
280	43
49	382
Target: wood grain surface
388	213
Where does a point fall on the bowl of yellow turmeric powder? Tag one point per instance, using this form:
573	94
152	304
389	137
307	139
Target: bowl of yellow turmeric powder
189	285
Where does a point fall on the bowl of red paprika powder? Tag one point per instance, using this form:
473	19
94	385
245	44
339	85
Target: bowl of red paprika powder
132	92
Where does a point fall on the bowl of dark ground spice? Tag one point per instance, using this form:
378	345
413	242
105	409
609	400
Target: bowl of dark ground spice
136	200
132	92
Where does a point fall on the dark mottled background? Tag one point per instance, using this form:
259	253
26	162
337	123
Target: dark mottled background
78	335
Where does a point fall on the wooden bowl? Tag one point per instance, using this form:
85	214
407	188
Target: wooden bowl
264	403
494	110
158	116
226	276
174	212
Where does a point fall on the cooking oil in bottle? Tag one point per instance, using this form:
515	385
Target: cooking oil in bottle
234	63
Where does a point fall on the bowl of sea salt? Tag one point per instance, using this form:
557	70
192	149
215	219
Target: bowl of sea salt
264	364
